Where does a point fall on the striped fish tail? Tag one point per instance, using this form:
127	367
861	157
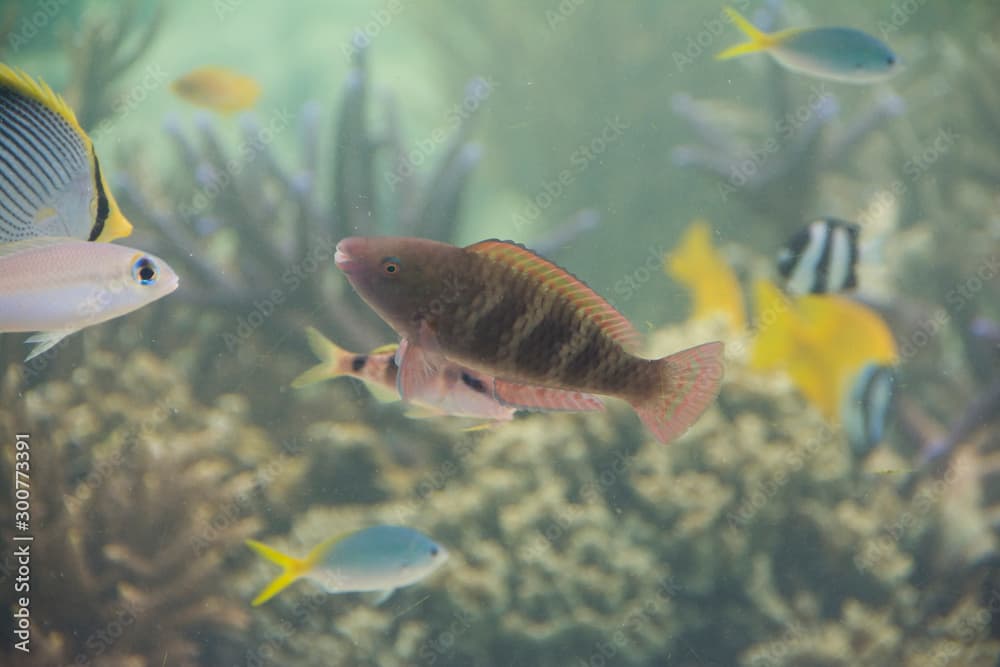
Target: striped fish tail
690	382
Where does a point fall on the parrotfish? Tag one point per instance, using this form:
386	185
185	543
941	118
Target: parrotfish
455	391
377	559
58	286
500	309
217	88
711	282
50	179
838	54
822	257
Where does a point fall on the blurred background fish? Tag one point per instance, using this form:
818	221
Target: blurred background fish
867	406
217	88
711	282
379	559
57	286
838	54
51	182
822	257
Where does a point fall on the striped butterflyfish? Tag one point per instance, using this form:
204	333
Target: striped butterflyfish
821	257
50	179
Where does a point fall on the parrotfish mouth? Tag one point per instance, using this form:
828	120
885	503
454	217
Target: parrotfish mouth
343	259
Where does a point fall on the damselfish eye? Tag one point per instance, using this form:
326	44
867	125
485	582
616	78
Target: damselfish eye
144	271
390	265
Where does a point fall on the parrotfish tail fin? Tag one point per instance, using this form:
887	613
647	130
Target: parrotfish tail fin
293	569
759	40
691	380
330	355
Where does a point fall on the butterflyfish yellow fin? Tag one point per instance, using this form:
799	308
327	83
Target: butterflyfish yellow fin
388	348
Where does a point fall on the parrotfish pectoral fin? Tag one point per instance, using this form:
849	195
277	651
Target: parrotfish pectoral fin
294	568
418	368
691	380
329	354
759	40
46	340
536	397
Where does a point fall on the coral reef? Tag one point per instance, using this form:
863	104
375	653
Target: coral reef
136	501
573	543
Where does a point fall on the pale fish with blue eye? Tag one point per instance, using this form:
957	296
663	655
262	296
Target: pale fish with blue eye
57	286
377	559
838	54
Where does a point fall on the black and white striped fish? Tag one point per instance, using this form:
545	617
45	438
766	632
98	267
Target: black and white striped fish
50	179
866	407
822	257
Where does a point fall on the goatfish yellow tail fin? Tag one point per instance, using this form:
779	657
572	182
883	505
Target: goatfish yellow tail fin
293	568
759	40
331	356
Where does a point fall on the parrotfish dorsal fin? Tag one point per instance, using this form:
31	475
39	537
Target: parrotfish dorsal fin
40	91
555	278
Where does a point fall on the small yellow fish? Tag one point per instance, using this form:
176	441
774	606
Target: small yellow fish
822	341
51	183
713	286
217	88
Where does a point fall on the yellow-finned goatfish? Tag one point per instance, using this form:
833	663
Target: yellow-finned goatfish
50	179
218	89
448	390
539	332
838	54
712	284
377	559
58	286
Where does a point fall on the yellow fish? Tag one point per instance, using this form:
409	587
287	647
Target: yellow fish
714	289
50	179
217	88
821	340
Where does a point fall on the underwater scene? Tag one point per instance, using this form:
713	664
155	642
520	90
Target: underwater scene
559	332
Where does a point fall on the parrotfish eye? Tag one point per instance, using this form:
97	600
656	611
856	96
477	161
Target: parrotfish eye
434	551
890	60
391	266
144	271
